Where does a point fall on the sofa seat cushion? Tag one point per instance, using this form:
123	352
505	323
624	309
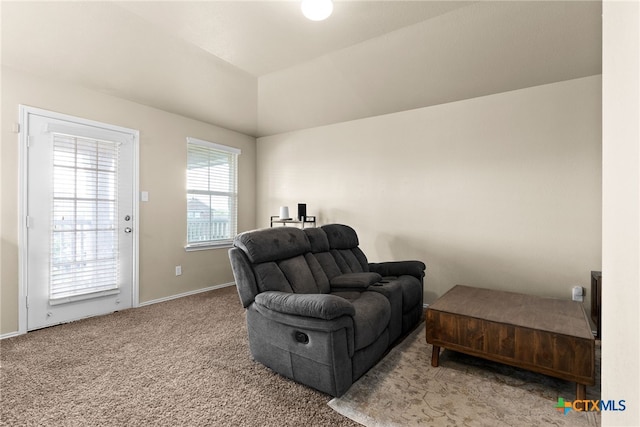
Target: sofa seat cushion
371	318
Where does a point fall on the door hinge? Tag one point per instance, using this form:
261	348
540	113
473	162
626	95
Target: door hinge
26	298
29	141
16	127
27	221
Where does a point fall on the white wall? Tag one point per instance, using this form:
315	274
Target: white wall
501	191
162	173
621	210
107	47
483	48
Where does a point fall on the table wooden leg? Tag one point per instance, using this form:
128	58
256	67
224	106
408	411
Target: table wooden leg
581	392
435	356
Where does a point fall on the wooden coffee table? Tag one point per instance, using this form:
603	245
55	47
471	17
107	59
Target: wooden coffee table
545	335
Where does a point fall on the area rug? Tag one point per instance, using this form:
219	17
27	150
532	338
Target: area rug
405	390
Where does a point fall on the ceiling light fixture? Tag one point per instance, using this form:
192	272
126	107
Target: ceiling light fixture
317	10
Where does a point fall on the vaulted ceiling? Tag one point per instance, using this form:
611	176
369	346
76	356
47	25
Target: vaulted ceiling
259	67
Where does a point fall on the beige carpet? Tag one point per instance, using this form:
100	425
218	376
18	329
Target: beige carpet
186	362
179	363
405	390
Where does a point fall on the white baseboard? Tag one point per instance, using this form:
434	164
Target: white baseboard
10	334
186	294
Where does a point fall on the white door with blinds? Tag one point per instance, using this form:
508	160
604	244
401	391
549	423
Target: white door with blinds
80	236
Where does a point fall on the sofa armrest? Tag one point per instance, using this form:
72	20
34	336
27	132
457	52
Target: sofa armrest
399	268
354	281
319	306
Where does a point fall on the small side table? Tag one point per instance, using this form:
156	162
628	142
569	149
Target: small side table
305	221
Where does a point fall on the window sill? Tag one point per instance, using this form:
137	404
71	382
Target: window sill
207	246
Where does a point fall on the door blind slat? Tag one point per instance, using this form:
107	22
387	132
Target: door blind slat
84	238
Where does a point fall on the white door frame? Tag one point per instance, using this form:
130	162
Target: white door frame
24	112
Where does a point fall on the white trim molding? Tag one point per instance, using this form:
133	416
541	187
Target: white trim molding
186	294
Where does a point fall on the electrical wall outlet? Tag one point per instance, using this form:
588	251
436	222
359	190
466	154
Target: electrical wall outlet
577	293
178	270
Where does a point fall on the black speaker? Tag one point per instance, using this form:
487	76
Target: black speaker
302	211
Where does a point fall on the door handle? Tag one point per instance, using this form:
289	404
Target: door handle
127	230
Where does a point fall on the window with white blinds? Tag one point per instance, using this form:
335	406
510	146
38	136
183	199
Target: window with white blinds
84	239
212	194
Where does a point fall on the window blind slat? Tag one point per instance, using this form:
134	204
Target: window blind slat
211	192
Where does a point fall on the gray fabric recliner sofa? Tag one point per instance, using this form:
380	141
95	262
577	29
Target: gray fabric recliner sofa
317	311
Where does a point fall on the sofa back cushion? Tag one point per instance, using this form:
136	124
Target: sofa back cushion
272	244
317	239
300	274
340	236
282	261
321	252
351	260
343	244
269	277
